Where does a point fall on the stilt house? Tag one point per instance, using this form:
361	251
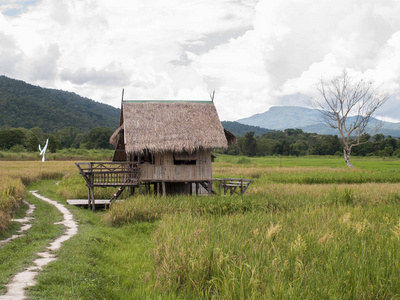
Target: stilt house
170	143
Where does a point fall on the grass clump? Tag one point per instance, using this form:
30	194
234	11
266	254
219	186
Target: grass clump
151	208
140	209
11	195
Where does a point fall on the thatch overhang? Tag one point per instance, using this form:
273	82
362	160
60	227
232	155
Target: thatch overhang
230	137
115	136
161	126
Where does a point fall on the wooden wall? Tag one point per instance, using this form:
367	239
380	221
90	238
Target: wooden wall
164	168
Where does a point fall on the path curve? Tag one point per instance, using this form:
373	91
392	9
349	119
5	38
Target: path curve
16	288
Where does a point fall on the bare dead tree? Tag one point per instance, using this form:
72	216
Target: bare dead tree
342	98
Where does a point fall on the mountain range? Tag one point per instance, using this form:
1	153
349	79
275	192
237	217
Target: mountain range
25	105
307	119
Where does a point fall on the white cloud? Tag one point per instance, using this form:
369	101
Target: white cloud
254	53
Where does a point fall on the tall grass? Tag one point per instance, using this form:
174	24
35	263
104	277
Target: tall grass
15	175
320	253
11	194
299	232
312	230
73	186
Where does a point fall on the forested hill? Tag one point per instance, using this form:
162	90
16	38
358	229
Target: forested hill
25	105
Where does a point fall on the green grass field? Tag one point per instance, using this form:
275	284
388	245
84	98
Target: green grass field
307	228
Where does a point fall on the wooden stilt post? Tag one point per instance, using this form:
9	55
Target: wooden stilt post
158	188
93	203
210	186
89	197
164	192
197	188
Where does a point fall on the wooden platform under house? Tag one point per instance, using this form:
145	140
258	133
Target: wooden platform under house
164	148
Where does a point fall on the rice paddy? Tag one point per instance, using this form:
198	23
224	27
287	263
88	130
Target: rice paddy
307	228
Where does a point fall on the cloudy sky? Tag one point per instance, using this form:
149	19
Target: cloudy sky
254	53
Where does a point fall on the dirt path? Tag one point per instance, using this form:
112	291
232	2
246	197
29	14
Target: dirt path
16	288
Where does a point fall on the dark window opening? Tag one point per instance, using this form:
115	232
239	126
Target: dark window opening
184	162
185	158
145	159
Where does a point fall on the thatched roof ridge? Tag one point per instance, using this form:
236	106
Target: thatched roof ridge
171	126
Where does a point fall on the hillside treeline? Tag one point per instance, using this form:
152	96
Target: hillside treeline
298	143
25	105
288	142
21	139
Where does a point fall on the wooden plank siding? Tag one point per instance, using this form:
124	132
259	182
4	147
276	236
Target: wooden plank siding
165	170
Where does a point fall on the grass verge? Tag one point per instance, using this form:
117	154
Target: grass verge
100	262
19	253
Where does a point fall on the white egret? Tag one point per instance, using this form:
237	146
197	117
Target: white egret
43	151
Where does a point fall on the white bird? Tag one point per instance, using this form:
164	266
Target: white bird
43	151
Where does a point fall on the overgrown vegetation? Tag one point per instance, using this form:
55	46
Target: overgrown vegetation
308	227
15	175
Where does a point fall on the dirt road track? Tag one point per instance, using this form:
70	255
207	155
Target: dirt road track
16	288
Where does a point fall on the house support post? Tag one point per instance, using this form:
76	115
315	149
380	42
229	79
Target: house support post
210	186
131	190
164	192
91	189
157	189
93	204
89	197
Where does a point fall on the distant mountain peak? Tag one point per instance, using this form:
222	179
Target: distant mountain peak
308	119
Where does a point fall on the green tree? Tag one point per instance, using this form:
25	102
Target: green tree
98	138
32	143
54	143
11	137
249	144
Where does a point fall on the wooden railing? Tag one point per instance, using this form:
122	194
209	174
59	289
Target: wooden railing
110	173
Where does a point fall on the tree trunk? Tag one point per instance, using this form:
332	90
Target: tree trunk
347	153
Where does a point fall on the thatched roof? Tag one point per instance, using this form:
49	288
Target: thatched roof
171	126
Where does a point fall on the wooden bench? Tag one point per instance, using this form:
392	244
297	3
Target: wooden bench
233	185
